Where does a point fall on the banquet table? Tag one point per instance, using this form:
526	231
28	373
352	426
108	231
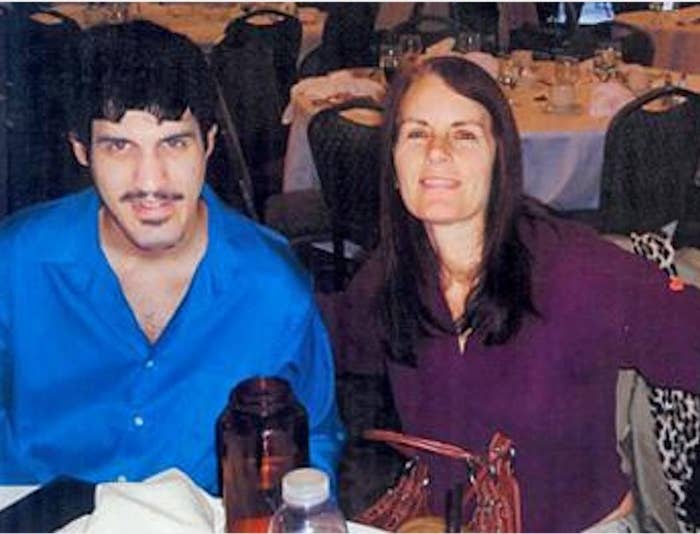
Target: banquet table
562	152
203	22
676	36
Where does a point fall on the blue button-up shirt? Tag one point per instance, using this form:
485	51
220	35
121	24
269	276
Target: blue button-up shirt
82	390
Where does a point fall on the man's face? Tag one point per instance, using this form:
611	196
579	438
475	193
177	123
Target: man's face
149	174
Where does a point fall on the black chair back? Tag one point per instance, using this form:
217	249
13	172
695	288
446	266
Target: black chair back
431	28
282	36
346	154
247	77
650	169
637	45
38	79
348	35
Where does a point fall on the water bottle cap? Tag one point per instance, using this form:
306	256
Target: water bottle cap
305	487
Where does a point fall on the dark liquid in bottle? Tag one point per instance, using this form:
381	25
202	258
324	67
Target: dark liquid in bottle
263	434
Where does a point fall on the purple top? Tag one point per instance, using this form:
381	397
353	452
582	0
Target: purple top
552	387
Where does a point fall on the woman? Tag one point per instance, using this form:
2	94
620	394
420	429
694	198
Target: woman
487	314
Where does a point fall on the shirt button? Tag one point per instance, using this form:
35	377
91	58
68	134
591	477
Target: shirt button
149	364
138	420
121	478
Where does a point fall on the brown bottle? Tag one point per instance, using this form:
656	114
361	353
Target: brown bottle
262	434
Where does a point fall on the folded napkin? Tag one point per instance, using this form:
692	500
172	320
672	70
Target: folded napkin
167	502
485	61
608	98
338	82
441	48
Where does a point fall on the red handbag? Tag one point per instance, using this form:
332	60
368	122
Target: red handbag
494	492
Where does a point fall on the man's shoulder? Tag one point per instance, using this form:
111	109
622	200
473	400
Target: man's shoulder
264	255
45	226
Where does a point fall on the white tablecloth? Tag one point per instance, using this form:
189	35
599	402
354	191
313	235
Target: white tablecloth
10	494
562	153
167	502
203	22
676	36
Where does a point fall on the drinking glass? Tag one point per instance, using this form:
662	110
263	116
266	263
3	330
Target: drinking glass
507	71
388	60
606	60
468	42
566	70
410	46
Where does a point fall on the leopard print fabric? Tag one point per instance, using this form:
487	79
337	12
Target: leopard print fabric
657	248
676	413
677	424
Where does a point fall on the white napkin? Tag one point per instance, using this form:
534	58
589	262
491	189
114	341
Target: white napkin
441	48
608	98
321	87
485	61
167	502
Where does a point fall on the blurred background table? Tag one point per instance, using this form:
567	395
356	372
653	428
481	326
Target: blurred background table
676	36
203	22
562	151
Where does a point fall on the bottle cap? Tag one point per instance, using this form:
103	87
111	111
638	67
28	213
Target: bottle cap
305	487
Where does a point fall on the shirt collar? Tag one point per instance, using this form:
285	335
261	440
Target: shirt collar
82	260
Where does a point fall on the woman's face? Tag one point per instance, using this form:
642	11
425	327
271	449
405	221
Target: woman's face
444	154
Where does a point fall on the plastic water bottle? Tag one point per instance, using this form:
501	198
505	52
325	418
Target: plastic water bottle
307	504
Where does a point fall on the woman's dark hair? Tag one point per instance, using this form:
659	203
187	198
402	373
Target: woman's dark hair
496	307
139	66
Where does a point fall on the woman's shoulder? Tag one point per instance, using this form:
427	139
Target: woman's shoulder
561	248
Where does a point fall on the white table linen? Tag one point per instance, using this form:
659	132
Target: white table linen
167	502
562	152
676	36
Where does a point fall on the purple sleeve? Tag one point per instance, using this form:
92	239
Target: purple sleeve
663	333
353	325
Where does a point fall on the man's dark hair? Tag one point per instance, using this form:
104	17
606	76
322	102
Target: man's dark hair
139	66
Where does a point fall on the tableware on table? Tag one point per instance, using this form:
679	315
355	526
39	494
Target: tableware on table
566	70
468	42
262	434
410	47
562	99
508	72
389	60
606	60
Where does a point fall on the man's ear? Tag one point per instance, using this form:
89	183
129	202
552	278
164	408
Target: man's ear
80	151
211	139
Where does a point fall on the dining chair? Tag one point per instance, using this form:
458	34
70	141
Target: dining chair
39	57
272	29
650	167
637	45
346	155
247	77
431	28
348	40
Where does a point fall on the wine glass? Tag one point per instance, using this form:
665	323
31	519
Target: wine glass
410	46
468	42
507	71
388	60
566	70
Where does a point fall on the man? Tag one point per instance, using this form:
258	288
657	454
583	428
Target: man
129	311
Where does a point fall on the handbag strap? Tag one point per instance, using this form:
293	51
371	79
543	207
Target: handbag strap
399	440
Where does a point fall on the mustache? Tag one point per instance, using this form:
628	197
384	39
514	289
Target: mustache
130	196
